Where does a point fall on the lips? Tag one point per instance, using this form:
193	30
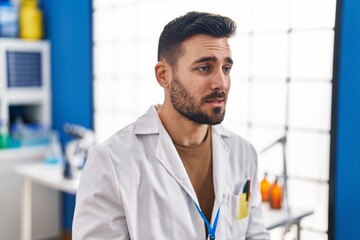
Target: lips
216	100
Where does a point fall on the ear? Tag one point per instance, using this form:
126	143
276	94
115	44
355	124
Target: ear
162	73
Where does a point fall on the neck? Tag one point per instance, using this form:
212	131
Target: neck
181	130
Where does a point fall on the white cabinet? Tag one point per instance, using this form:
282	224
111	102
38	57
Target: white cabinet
25	81
25	93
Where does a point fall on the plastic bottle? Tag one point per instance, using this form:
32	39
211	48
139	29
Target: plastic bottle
265	188
18	132
31	20
276	193
4	135
8	19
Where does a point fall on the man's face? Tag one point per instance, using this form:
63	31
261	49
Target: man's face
201	80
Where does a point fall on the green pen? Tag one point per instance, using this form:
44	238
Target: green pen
247	189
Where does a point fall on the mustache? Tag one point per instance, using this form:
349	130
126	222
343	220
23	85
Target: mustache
218	94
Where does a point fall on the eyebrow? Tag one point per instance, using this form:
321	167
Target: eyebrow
212	59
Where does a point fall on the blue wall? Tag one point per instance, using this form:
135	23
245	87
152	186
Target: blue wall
347	200
68	26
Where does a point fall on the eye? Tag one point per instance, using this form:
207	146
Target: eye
203	69
227	69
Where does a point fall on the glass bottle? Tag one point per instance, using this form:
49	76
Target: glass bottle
264	188
276	193
54	154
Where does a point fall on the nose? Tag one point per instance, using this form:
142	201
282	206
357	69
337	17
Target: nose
220	80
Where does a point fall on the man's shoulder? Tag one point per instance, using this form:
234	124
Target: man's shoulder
124	134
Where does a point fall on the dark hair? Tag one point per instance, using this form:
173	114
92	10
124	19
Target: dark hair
190	24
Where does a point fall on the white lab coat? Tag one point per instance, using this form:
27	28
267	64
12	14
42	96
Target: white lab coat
134	186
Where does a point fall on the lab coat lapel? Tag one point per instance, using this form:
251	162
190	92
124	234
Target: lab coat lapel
168	156
166	153
221	156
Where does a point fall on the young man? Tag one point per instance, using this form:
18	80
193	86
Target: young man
176	173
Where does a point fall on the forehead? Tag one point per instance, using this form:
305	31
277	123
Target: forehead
204	45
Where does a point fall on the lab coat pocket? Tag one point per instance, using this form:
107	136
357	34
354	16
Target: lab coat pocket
238	216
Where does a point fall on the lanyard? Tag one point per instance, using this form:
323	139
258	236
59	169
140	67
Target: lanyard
211	230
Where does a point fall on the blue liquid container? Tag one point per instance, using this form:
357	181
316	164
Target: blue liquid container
9	15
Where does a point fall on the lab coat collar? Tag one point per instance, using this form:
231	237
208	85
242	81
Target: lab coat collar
148	123
167	155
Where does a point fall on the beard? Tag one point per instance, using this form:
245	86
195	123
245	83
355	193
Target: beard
188	106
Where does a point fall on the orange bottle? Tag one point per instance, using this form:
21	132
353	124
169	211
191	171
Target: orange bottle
276	193
264	188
